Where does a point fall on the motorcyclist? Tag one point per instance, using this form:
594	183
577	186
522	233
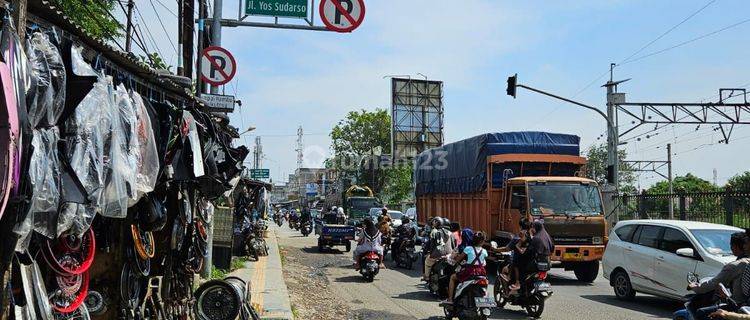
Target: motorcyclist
539	250
516	246
369	239
330	216
472	260
384	221
404	232
730	275
440	245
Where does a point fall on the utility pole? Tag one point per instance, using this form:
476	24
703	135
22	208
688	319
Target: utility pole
669	174
202	41
180	32
188	30
258	154
129	27
216	32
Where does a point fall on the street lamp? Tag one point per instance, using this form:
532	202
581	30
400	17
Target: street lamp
251	128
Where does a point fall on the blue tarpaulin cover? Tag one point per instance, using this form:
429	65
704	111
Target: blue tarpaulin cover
460	167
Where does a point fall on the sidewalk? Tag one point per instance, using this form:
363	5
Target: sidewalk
269	293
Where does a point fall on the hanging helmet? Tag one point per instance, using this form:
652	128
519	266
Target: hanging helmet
152	214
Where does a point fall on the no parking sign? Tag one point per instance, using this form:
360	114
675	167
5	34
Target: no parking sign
218	66
342	15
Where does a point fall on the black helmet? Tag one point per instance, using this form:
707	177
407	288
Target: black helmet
405	220
152	214
439	221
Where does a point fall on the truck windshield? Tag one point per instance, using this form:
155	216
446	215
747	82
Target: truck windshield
564	199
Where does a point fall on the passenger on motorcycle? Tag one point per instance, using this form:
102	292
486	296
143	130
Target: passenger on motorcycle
539	250
369	239
455	229
730	275
516	246
440	245
473	260
341	216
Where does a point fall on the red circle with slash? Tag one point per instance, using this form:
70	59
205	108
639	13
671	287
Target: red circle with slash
342	15
218	66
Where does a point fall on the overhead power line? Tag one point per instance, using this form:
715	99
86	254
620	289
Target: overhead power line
668	31
706	35
166	33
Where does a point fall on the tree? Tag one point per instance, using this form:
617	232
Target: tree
740	182
154	60
94	16
398	185
686	183
597	168
357	141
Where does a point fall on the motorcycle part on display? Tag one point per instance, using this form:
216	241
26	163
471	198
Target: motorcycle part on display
130	287
77	254
95	303
143	241
152	213
217	300
194	261
82	313
141	266
71	293
152	307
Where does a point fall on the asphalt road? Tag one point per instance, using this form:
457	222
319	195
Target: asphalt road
399	294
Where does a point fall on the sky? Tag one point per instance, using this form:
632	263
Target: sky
292	78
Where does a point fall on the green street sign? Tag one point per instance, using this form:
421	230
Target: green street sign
260	173
277	8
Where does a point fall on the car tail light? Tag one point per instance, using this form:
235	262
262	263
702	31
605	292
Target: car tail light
542	275
483	282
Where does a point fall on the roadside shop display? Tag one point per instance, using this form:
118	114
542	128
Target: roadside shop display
107	218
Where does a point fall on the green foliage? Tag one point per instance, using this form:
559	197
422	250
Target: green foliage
597	168
398	185
154	60
355	140
218	274
687	183
740	182
92	16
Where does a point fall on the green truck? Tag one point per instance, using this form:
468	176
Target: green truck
357	201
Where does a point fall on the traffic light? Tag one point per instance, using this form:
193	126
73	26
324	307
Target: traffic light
512	85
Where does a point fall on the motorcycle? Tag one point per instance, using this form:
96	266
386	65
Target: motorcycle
293	223
386	241
369	265
255	244
279	220
403	253
440	277
306	228
534	289
470	300
697	301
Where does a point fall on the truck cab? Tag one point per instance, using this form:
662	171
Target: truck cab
573	215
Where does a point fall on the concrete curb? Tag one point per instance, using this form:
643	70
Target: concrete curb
270	296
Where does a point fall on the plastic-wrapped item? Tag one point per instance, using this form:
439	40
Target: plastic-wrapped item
147	157
119	185
80	67
44	174
75	218
46	100
195	144
89	129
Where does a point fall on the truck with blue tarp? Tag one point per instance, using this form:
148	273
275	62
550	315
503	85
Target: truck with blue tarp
490	181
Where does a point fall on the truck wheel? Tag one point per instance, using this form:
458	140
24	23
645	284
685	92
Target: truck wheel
348	246
587	271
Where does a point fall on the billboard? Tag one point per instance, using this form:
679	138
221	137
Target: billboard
416	116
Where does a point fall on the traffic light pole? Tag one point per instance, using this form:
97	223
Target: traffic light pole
610	117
